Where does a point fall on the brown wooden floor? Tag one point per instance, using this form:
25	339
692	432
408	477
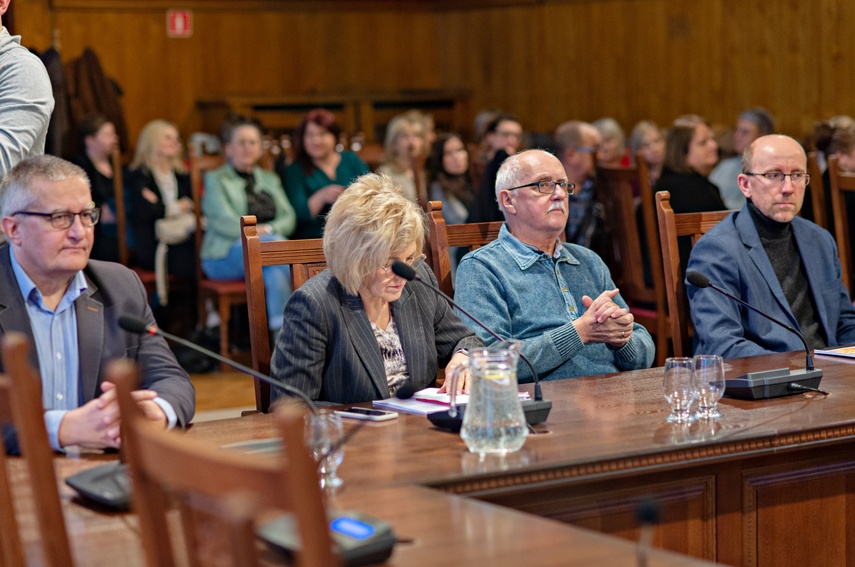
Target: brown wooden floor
223	390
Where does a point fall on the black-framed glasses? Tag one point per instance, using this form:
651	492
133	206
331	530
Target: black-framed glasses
414	263
64	219
796	177
547	186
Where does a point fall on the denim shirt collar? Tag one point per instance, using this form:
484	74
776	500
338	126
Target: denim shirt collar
526	255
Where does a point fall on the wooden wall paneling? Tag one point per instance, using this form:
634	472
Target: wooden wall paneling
687	508
546	61
784	506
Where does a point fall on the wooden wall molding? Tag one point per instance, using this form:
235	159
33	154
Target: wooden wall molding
287	5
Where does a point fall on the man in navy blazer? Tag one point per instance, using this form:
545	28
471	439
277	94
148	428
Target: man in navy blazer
778	262
69	307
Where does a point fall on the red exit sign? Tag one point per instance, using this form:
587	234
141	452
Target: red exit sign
179	23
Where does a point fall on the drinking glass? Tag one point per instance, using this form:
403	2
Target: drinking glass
324	435
678	388
709	384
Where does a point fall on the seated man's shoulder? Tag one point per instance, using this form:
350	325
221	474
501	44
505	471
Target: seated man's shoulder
489	251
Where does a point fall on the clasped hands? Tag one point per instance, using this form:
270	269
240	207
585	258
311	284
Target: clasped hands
604	321
95	424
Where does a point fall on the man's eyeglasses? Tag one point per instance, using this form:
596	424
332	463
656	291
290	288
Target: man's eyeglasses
796	177
547	186
414	263
64	219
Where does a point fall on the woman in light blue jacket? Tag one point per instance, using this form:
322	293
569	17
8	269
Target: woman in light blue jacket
240	188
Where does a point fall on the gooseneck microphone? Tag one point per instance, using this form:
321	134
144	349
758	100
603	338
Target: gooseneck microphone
138	326
536	410
108	484
771	383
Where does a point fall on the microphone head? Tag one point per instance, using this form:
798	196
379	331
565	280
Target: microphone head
697	279
133	324
406	391
647	512
402	270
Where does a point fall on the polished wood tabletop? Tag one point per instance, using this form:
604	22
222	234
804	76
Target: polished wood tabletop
599	425
605	445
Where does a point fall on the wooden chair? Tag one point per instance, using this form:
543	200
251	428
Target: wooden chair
21	405
443	237
647	303
672	226
306	258
224	294
817	191
219	493
841	182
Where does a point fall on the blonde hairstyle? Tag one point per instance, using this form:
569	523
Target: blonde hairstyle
146	152
370	221
396	128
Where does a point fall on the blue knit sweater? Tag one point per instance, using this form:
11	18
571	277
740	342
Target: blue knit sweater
521	292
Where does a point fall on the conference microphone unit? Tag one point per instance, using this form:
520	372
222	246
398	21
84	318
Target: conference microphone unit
108	485
647	515
359	539
770	383
536	410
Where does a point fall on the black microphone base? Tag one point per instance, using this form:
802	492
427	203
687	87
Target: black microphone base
771	383
536	411
107	485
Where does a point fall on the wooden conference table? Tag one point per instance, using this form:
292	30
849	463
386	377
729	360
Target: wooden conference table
771	483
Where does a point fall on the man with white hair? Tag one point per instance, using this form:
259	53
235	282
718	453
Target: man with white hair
557	297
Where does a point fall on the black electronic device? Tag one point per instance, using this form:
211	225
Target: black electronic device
108	485
536	410
357	538
770	383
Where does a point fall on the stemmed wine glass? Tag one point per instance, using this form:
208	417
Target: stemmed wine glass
709	384
324	435
678	388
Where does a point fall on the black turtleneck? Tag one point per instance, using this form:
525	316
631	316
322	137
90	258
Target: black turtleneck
783	252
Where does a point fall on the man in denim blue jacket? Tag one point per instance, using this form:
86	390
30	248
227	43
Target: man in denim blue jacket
558	298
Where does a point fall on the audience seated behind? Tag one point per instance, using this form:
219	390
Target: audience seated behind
305	258
405	149
450	183
671	227
504	136
223	294
221	495
98	139
159	188
21	407
319	173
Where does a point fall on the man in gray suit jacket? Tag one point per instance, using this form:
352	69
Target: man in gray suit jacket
69	308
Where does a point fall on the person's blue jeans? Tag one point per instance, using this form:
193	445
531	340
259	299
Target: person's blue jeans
277	279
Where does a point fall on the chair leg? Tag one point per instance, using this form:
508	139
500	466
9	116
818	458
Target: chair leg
225	308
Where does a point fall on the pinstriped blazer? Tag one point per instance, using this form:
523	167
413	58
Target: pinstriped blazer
327	349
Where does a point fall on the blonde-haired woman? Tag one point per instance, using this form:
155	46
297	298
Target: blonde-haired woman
159	187
356	331
405	143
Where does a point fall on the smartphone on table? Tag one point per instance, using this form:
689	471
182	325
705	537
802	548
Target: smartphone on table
367	414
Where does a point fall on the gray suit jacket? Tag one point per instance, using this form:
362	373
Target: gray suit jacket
113	290
327	349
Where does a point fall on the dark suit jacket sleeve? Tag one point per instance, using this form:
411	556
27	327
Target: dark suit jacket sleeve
122	293
300	352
